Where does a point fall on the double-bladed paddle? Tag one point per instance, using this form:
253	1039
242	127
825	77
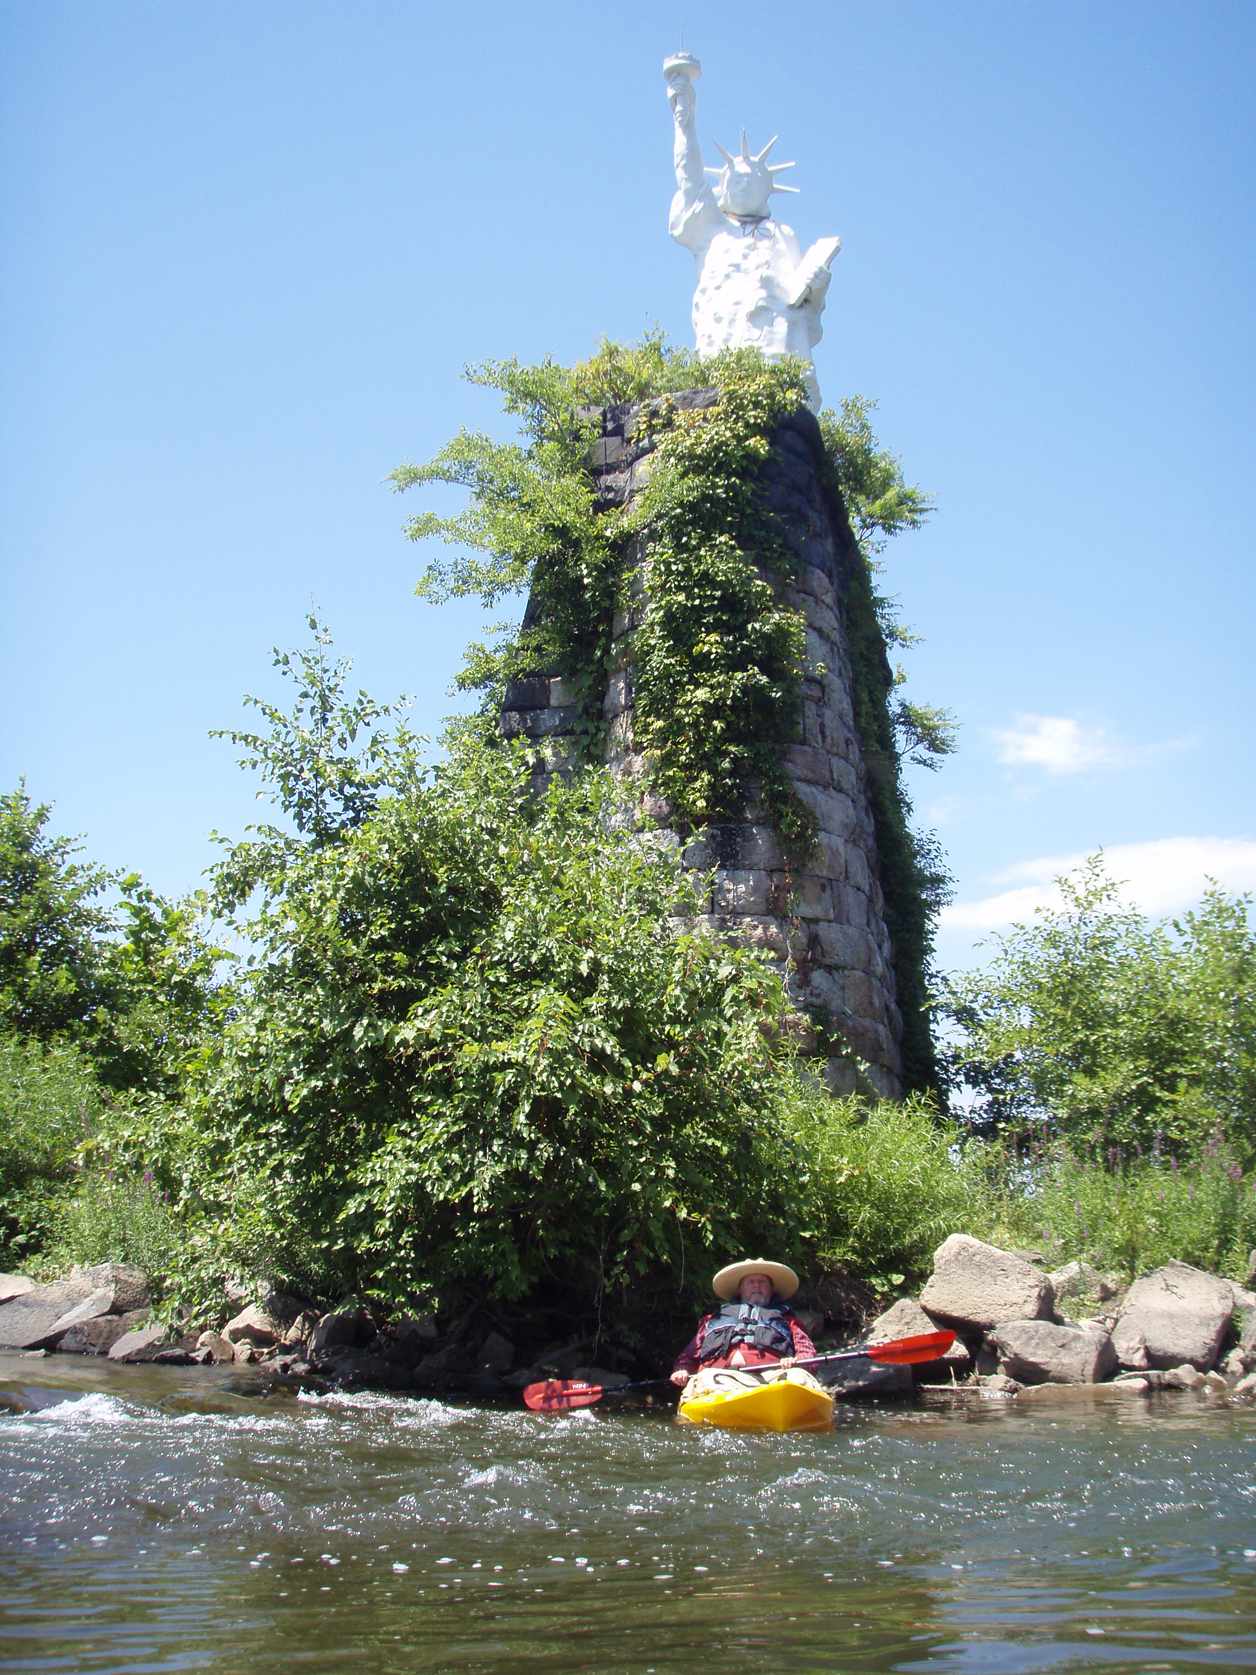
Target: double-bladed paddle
555	1395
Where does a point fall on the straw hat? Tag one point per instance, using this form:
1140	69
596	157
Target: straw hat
784	1280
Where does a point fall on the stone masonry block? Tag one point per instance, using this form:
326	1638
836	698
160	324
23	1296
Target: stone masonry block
697	855
618	693
845	779
842	945
763	931
804	762
821	616
619	733
741	890
858	871
850	906
863	996
532	692
608	450
752	844
821	648
831	853
834	812
821	988
813	897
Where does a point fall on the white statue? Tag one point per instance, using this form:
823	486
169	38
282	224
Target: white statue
756	287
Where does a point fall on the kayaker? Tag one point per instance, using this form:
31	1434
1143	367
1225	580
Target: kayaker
755	1327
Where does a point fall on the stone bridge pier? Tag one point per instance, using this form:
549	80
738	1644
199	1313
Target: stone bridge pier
823	923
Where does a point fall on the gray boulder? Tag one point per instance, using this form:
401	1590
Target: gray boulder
254	1325
1079	1279
862	1377
144	1344
1245	1308
14	1285
98	1336
495	1355
601	1375
1042	1352
128	1286
298	1333
1176	1314
342	1329
214	1346
906	1319
977	1285
38	1317
1238	1363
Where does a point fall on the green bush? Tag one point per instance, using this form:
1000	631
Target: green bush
887	1183
50	1102
110	1217
475	1055
1124	1212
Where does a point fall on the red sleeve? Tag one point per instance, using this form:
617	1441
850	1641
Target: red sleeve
687	1361
804	1349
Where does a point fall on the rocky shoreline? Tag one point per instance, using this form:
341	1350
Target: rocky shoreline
1020	1330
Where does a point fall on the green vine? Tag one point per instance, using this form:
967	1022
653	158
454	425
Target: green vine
718	659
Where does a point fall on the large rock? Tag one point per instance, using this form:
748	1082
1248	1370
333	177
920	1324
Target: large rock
495	1355
142	1345
1041	1352
1176	1314
215	1348
38	1317
906	1319
254	1325
341	1329
1244	1307
97	1337
14	1285
861	1377
977	1285
1079	1279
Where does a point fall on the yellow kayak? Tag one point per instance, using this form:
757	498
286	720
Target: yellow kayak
757	1399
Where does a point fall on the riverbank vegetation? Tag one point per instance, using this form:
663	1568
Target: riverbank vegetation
475	1054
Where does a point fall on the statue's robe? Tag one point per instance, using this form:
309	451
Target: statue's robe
747	273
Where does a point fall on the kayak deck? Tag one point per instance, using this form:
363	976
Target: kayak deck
757	1399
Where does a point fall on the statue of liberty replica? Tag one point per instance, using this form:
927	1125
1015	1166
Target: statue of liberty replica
756	288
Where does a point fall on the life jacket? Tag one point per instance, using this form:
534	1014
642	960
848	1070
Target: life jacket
747	1323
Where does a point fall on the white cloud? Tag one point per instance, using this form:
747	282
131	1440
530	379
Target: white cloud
1058	744
1161	876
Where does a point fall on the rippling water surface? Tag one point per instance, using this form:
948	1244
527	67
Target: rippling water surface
165	1520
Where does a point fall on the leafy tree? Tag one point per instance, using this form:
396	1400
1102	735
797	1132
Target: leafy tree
168	990
1097	1024
54	973
133	984
323	764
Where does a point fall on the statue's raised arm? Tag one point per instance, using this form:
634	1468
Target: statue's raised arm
694	199
756	287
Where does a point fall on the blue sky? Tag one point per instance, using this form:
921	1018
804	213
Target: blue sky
251	249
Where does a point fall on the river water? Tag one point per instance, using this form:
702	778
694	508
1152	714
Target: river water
169	1520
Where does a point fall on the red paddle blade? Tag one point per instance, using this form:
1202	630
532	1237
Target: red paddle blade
552	1395
903	1351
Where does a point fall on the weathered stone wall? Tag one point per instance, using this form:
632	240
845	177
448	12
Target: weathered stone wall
825	925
